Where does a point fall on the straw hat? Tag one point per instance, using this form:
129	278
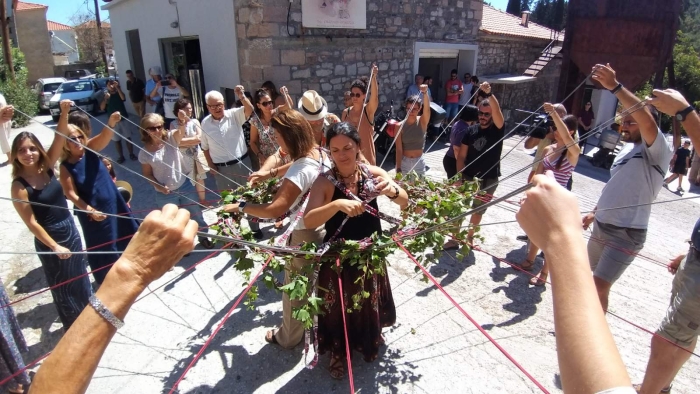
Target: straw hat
124	188
312	106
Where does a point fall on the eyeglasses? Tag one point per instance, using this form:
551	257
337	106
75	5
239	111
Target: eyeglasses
215	106
485	114
266	103
155	128
77	138
356	95
629	123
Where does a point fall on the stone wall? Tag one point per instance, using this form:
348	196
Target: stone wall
34	42
328	60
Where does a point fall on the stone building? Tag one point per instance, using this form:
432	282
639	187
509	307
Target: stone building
33	39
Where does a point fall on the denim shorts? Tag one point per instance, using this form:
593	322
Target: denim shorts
682	322
611	249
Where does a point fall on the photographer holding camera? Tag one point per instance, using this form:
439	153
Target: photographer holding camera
170	91
113	102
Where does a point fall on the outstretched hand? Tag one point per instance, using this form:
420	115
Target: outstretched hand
605	75
668	101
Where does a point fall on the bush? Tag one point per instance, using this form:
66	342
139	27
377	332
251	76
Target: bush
17	92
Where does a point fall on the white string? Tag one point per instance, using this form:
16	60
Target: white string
449	124
364	102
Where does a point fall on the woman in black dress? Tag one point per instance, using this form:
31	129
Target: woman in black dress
329	205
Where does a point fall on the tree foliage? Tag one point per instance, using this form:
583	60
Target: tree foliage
551	13
89	43
17	92
516	7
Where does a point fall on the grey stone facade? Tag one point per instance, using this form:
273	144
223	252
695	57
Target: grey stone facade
328	60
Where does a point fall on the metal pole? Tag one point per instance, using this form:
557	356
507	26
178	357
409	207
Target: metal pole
6	49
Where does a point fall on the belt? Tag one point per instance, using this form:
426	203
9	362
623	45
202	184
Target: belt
232	162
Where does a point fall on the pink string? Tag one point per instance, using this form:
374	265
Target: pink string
345	328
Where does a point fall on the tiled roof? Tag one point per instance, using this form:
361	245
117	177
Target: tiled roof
495	21
91	25
23	6
54	26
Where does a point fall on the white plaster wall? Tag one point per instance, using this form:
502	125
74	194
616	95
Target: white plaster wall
68	37
213	21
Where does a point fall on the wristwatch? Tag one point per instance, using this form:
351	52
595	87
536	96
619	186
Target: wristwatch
241	205
681	115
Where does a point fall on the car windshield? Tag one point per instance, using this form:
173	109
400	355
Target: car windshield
50	87
78	86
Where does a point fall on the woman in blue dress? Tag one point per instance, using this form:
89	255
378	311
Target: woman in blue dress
87	183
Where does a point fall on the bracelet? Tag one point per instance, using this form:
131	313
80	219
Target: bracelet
489	94
616	88
398	193
105	313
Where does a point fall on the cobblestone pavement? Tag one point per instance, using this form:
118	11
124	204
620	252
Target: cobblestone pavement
432	348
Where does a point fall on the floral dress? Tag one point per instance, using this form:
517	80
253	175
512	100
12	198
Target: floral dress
266	139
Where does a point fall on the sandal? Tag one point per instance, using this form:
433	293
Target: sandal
666	390
270	337
336	368
526	266
539	280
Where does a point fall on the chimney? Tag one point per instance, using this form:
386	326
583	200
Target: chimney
525	17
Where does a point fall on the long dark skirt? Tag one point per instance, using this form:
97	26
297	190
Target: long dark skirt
364	325
11	344
70	299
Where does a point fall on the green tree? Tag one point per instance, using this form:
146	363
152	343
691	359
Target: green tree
551	13
17	92
513	7
690	22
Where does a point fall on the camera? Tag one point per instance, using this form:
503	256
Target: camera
540	126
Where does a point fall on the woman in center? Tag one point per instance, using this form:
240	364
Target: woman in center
410	141
329	207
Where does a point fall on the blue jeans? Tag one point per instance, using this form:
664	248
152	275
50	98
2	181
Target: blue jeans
451	110
181	197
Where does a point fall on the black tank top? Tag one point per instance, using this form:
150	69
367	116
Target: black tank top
356	228
51	194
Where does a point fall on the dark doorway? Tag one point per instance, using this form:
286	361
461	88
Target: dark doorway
133	45
439	70
180	56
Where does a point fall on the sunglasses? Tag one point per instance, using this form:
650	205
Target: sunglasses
155	128
266	103
485	114
356	95
215	106
77	138
629	123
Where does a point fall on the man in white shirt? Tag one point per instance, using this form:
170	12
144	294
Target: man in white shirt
468	85
224	144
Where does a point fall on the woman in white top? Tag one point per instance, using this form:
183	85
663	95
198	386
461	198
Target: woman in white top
189	145
295	136
166	168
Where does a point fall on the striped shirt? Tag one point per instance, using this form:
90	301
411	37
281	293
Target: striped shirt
561	174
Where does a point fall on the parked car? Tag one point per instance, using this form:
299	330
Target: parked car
86	93
45	89
79	74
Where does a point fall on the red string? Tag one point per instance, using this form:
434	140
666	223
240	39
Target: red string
221	324
345	328
519	268
477	325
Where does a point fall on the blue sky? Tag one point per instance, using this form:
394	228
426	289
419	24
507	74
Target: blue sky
61	11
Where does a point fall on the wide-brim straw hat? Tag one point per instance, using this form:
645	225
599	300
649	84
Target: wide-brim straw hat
312	106
125	190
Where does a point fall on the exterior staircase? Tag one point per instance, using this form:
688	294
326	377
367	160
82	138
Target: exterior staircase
548	53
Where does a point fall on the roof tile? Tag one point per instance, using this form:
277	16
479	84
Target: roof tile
498	22
23	6
55	26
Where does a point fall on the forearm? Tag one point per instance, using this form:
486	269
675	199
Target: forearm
62	126
153	180
189	141
208	157
72	363
496	111
579	321
320	215
41	234
531	142
647	124
121	94
692	127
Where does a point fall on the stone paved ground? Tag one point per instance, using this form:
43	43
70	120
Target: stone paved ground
432	348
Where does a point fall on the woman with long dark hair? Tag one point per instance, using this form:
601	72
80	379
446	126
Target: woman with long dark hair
189	145
271	89
585	124
262	137
329	206
166	167
52	223
362	115
295	136
560	158
87	183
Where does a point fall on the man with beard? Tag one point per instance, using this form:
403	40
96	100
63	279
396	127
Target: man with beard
481	151
636	177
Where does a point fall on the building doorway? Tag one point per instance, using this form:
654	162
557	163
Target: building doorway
182	56
437	60
133	43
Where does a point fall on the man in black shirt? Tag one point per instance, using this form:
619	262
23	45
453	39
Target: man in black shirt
480	153
136	89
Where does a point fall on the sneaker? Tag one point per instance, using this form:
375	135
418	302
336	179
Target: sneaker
258	234
523	238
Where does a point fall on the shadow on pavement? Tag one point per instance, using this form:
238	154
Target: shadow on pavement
33	281
450	267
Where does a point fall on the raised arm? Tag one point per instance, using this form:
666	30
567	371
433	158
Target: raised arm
100	141
163	238
373	102
18	192
671	102
247	106
425	116
54	152
496	112
605	75
563	132
549	216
